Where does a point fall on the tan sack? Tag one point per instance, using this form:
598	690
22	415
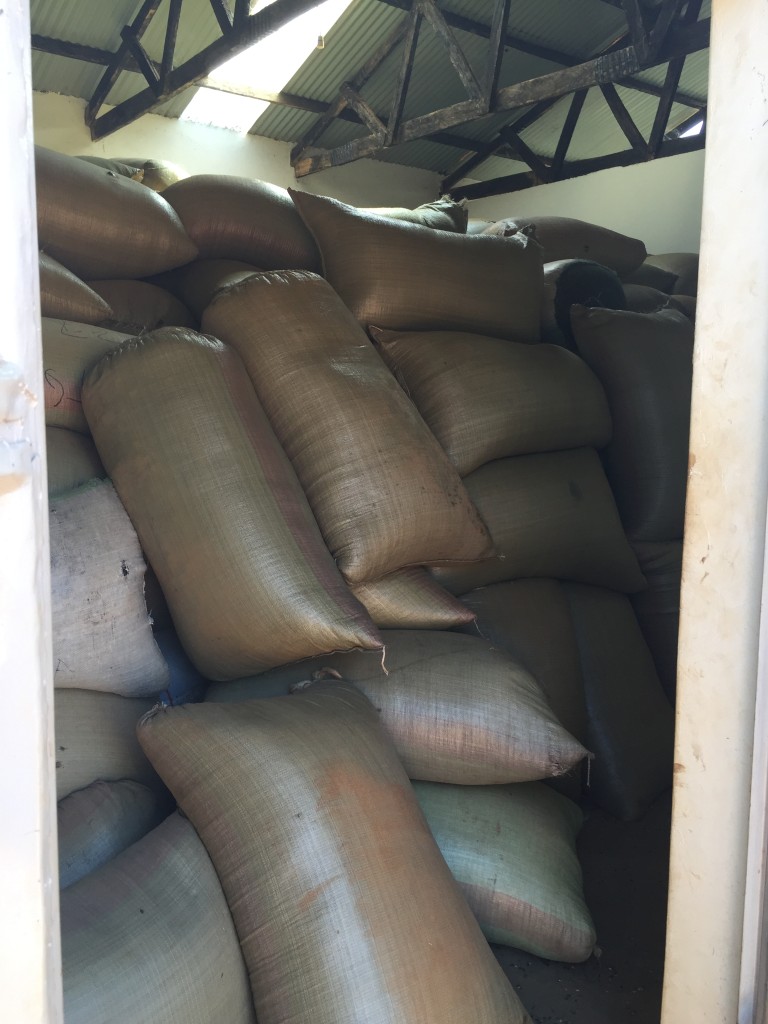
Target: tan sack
71	460
97	823
64	295
645	363
243	219
140	306
631	723
382	490
569	282
102	635
159	174
484	398
407	277
658	608
565	238
149	937
69	351
512	849
217	507
551	516
125	168
95	739
100	224
684	266
458	709
197	282
410	599
443	214
344	908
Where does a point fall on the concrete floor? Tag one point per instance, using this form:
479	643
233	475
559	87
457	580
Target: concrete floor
625	869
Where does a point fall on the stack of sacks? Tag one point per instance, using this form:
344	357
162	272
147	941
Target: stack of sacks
154	174
645	363
474	727
521	422
669	279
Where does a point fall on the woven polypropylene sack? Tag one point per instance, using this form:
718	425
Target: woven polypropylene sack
69	350
197	282
685	303
410	599
100	224
512	849
126	168
345	910
484	398
140	306
243	219
71	460
408	277
441	215
645	363
650	276
630	720
102	634
457	709
95	739
531	620
658	608
149	937
643	299
569	282
97	823
382	490
217	507
565	238
685	268
63	294
551	516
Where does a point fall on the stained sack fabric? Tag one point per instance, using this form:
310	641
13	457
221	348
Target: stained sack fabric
658	608
102	635
69	350
630	720
551	516
407	277
149	937
100	224
71	460
344	908
243	219
64	295
485	399
457	709
217	507
566	238
95	739
411	599
97	823
382	490
512	849
645	364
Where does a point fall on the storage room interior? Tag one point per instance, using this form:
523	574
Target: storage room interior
400	528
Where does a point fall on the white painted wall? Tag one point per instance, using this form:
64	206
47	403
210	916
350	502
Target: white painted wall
199	149
659	202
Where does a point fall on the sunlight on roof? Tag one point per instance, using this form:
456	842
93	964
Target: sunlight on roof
695	129
267	66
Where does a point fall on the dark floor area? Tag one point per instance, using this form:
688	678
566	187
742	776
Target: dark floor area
625	868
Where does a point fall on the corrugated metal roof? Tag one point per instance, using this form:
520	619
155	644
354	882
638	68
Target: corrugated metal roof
580	28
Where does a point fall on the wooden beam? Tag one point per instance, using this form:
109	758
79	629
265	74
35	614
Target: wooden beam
169	46
222	15
526	154
139	24
240	13
623	117
576	169
496	50
329	111
139	54
636	26
366	113
559	83
668	13
566	135
432	13
256	26
406	68
667	98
